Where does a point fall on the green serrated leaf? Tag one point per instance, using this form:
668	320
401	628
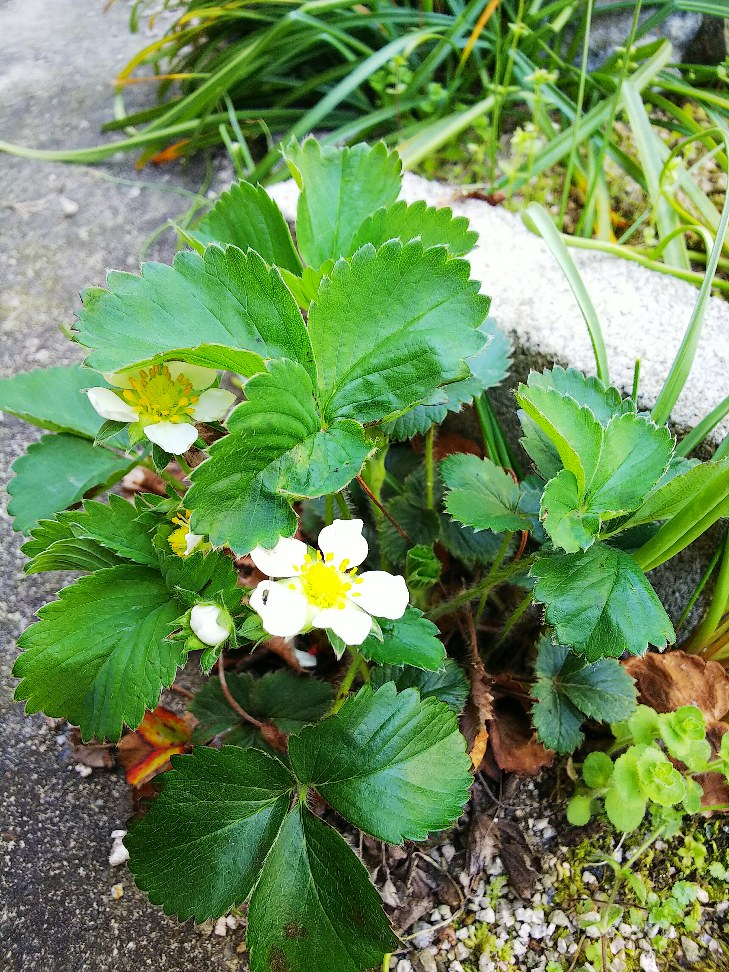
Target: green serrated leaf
635	454
603	690
160	458
422	568
391	326
277	449
56	472
603	401
54	399
306	287
116	526
200	848
289	701
568	526
600	602
99	655
393	765
85	556
432	226
109	431
573	430
557	721
488	368
450	684
314	906
227	310
340	188
481	494
247	217
411	640
207	576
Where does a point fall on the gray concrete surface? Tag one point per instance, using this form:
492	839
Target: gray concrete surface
57	913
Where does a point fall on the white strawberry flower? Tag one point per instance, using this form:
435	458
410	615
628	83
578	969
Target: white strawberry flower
164	400
325	591
212	624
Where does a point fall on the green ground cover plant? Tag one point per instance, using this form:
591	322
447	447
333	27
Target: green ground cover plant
351	344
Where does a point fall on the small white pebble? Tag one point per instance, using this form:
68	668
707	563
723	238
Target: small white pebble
487	914
485	964
462	934
449	852
427	961
519	948
231	921
434	916
82	770
455	967
446	912
118	854
117	891
221	928
588	878
404	966
560	919
648	962
562	946
702	895
462	952
68	206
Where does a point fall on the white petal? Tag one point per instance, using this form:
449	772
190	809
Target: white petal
210	623
213	405
283	560
282	610
119	379
350	623
305	659
110	406
198	376
344	540
174	437
382	594
192	540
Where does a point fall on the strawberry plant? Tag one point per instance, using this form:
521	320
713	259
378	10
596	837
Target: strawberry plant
305	513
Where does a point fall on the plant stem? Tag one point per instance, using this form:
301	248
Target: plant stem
343	508
386	962
167	477
498	561
184	466
373	499
349	677
429	468
487	584
246	716
328	509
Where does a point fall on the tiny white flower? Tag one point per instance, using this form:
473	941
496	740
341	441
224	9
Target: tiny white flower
324	591
210	623
165	400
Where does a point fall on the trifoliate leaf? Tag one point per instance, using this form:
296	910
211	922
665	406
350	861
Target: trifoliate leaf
391	326
433	226
54	399
278	449
228	310
340	188
574	431
56	472
481	494
99	655
200	848
411	640
567	525
603	401
600	602
393	765
246	216
449	684
314	906
289	701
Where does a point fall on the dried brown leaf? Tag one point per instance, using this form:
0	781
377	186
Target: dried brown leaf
666	682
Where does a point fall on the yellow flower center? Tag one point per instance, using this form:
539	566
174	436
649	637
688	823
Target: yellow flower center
326	586
178	538
158	397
